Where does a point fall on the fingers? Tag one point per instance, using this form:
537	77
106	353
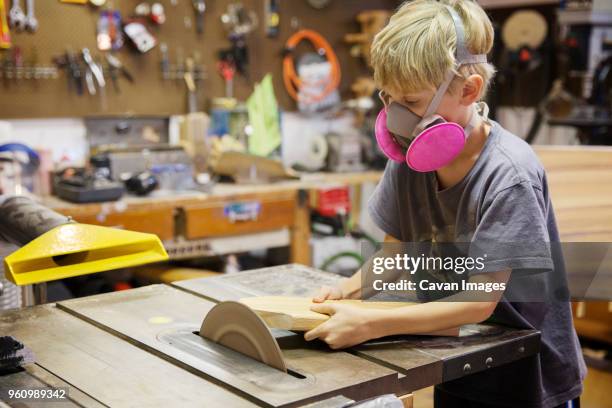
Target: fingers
319	331
323	333
327	292
323	294
325	308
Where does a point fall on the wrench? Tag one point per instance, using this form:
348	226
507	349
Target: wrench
114	62
31	23
74	71
17	17
200	9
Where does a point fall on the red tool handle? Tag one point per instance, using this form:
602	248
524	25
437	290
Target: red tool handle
227	70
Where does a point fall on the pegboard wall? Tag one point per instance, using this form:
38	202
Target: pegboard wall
69	26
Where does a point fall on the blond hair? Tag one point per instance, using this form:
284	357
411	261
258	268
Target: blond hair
417	48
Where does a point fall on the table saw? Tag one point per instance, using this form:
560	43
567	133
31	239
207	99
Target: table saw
142	347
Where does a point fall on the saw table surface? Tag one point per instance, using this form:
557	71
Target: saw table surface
162	320
138	348
422	361
107	369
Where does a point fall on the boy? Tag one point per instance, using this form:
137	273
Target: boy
430	62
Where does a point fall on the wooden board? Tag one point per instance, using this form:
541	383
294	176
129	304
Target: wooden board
161	320
106	368
293	313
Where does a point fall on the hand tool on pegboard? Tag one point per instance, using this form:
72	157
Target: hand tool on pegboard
189	77
32	64
5	35
114	76
200	8
14	66
17	17
17	63
116	67
227	69
93	72
239	22
164	63
75	74
272	14
6	67
31	22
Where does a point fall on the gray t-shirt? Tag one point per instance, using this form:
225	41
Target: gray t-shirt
504	198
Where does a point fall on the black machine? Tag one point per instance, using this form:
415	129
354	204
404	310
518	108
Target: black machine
87	185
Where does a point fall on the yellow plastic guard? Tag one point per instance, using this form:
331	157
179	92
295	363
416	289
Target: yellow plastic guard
79	249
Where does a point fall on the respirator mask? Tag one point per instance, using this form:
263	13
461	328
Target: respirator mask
428	143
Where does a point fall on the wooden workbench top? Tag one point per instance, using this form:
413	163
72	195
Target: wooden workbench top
219	191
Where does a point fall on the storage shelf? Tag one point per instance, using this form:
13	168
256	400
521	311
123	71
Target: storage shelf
585	17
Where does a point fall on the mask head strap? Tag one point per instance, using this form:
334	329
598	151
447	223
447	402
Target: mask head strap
462	56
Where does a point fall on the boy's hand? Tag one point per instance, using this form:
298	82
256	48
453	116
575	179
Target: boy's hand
328	293
346	327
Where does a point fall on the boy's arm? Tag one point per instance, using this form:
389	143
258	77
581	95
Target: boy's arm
453	311
349	325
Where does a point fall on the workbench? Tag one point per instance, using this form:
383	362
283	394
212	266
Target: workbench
137	348
196	224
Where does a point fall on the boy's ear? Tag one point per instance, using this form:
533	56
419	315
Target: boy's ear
471	89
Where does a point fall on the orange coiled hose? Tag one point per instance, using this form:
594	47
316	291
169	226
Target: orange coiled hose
292	81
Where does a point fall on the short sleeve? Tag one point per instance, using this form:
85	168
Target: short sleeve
383	205
513	231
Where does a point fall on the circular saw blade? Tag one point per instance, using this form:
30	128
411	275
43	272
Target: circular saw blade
524	28
235	326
